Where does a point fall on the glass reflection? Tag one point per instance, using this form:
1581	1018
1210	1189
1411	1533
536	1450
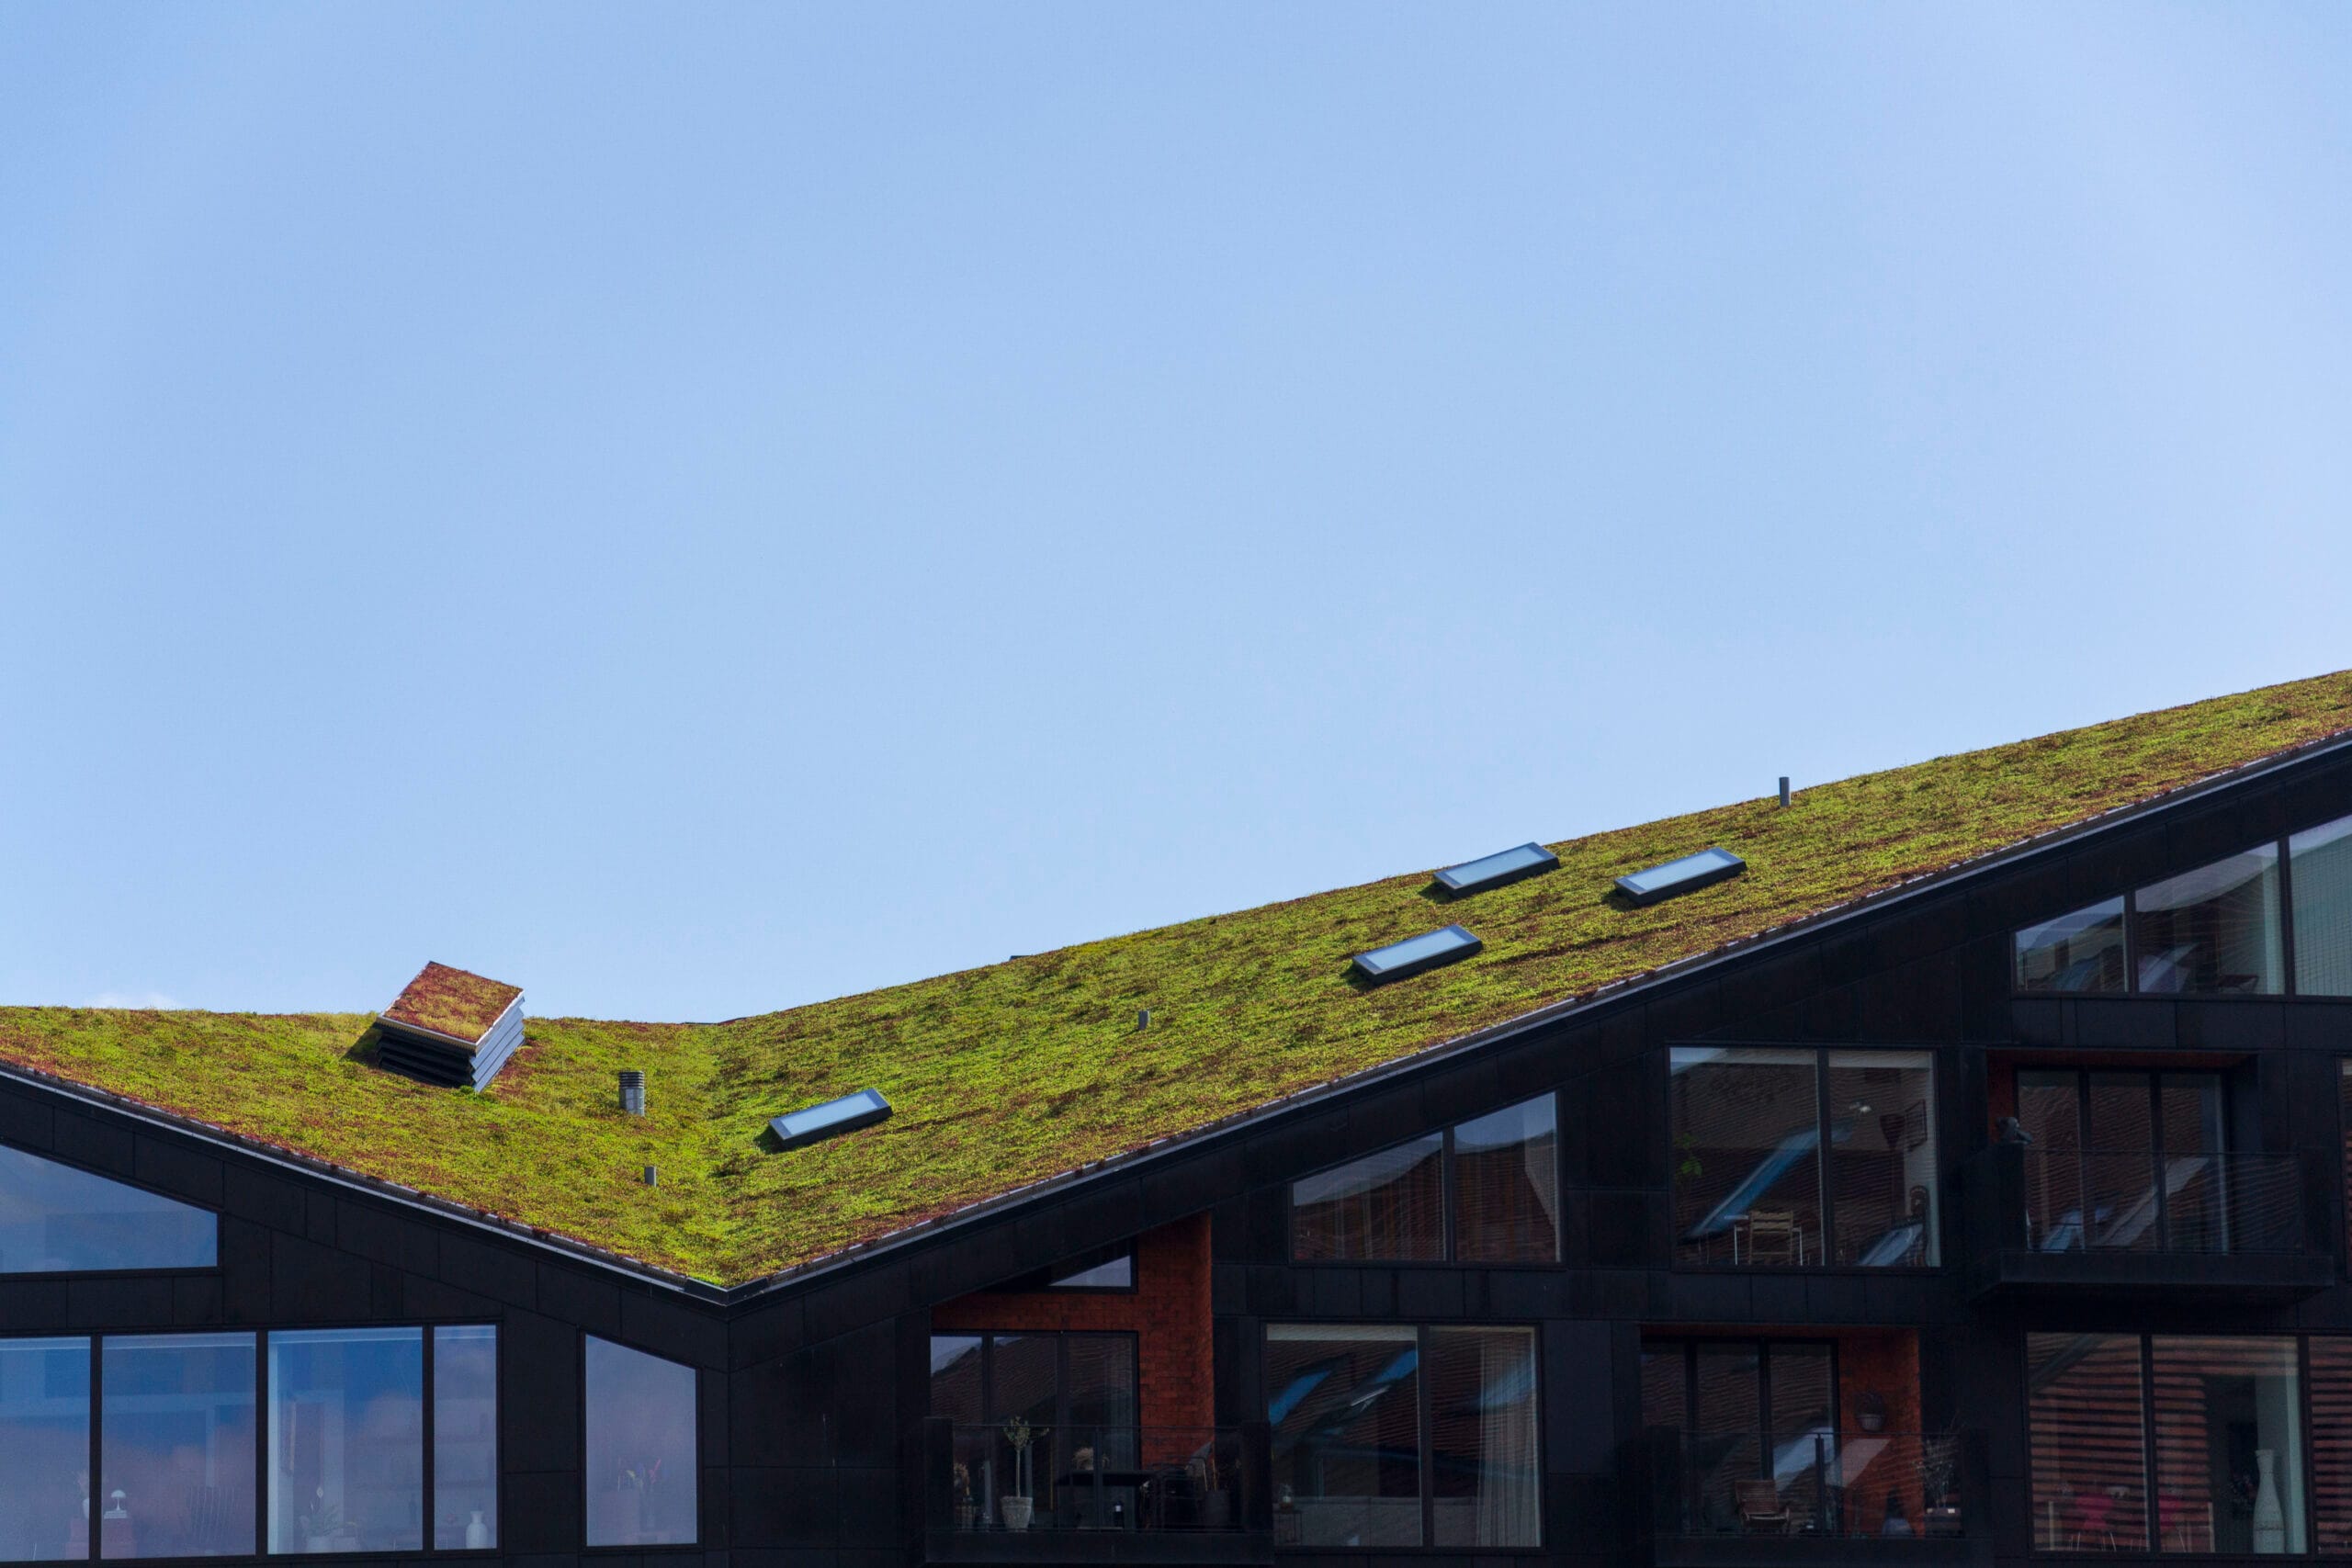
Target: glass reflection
1390	1206
2214	928
45	1436
465	1438
176	1464
346	1440
1343	1401
56	1219
2082	951
641	1421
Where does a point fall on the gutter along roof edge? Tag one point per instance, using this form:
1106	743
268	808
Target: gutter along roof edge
569	1246
1610	993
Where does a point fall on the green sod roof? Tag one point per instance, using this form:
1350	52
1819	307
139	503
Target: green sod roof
1009	1075
455	1002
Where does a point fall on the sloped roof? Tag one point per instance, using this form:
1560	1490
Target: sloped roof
1013	1074
453	1002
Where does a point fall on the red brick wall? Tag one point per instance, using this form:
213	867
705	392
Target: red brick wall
1167	1313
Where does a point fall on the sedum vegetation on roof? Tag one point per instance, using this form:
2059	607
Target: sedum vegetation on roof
1015	1073
455	1002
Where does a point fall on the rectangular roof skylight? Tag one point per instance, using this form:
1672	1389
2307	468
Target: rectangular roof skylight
1685	876
1493	871
1416	954
835	1117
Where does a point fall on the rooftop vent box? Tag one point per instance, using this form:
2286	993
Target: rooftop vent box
450	1028
1677	876
847	1114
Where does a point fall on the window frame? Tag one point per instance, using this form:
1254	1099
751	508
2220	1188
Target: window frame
2289	981
1944	1156
580	1432
1061	1338
1687	1346
172	1272
1426	1435
97	1340
2148	1455
1449	1196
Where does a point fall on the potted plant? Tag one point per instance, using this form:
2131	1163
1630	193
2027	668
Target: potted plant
317	1524
967	1512
1939	1482
1019	1506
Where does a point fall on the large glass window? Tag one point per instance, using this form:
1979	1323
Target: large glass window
1749	1428
2087	1442
57	1218
2078	952
640	1449
346	1440
2229	1444
1077	1394
2319	870
2331	1444
1751	1184
1483	1476
175	1462
1345	1402
1506	1185
465	1438
2136	1161
2214	928
45	1441
1392	1206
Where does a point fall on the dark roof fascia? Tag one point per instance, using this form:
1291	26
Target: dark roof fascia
237	1146
1642	987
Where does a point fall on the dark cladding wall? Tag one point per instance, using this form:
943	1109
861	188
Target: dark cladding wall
811	1394
297	1252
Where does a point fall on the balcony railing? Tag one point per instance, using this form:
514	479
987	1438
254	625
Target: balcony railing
1160	1480
1887	1486
2136	1201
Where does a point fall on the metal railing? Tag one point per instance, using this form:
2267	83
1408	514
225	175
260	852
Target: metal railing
1867	1485
2137	1200
1094	1478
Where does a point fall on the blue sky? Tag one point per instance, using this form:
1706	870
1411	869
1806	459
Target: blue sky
695	511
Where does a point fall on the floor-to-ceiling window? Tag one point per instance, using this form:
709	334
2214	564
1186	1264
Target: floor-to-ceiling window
1804	1157
1745	1433
2193	1444
1392	1435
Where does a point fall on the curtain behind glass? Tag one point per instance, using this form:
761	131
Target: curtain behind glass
1482	1439
1387	1207
45	1439
2332	1442
2087	1447
2214	928
1343	1401
2320	865
1506	1185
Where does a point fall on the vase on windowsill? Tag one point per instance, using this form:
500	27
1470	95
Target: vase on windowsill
1016	1512
477	1532
2270	1519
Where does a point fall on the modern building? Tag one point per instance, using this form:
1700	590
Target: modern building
1945	1164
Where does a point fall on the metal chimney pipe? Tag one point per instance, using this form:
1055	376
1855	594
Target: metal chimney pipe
1784	792
632	1092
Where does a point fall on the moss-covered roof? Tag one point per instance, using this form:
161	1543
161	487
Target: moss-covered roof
1005	1076
455	1002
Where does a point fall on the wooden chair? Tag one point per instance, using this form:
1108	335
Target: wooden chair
1762	1510
1774	1236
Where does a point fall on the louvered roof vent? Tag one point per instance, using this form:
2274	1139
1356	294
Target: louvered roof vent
450	1027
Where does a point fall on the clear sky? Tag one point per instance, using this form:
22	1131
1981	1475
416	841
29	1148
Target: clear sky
692	509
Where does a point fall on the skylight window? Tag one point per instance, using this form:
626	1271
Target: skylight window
1416	954
1493	871
1685	876
831	1119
